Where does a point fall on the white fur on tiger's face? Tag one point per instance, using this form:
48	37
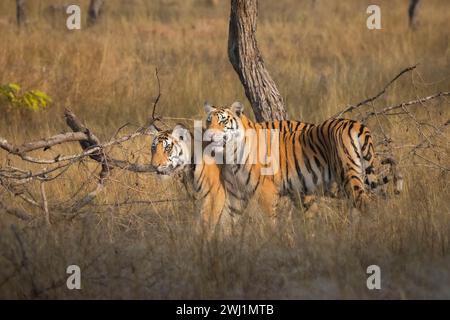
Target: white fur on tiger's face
170	150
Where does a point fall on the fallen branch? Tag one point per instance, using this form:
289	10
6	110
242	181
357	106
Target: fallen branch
14	179
89	143
45	144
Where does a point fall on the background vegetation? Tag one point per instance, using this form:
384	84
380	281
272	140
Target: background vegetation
130	244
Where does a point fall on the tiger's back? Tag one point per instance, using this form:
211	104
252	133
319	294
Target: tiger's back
336	153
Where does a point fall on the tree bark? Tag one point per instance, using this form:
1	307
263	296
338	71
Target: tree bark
95	7
244	55
20	12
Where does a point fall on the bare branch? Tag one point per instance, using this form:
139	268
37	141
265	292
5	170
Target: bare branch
379	94
402	105
45	203
86	200
157	97
15	180
91	148
45	143
76	125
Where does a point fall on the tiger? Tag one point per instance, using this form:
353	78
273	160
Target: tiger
172	154
336	157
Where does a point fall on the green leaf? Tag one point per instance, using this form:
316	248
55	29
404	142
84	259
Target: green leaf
14	86
33	100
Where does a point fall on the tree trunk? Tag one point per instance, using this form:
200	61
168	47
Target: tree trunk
244	55
412	10
20	12
95	7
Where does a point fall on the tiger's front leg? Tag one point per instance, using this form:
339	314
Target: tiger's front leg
229	216
212	208
268	198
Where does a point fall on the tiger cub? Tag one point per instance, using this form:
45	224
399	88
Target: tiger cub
172	153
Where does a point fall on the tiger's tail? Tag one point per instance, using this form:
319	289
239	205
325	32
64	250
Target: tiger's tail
375	180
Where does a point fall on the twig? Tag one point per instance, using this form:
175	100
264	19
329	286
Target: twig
141	202
405	104
45	204
157	97
119	129
85	200
437	165
366	101
20	194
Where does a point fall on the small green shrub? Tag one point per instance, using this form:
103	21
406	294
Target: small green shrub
33	100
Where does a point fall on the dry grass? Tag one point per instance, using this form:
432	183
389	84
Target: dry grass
322	57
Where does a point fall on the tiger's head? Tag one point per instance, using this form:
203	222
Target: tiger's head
223	124
170	150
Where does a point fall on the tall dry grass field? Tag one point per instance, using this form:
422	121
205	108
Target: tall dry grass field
130	243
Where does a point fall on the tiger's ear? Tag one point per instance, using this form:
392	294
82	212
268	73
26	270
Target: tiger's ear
238	108
180	132
208	107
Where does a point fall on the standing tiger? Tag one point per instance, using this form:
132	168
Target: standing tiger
172	153
337	153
